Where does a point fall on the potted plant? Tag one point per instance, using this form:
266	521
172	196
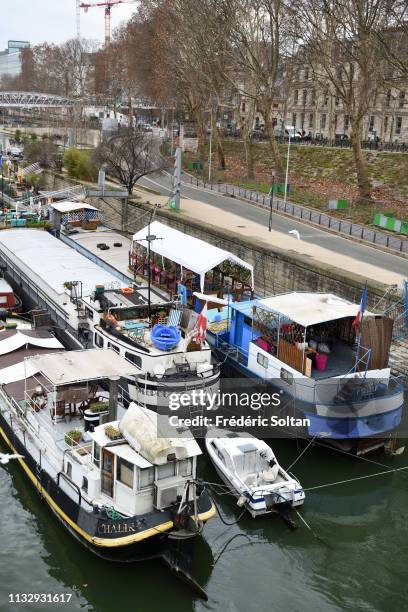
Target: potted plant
73	437
99	407
113	433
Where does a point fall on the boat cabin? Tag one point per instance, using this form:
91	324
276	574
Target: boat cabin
308	335
182	264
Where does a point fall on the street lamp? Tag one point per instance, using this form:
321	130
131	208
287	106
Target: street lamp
210	151
287	166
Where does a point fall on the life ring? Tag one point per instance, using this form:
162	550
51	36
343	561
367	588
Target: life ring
127	290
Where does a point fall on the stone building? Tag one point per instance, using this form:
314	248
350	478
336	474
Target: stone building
320	114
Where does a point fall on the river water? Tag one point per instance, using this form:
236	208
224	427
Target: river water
357	560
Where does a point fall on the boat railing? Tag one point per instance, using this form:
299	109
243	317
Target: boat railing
234	352
34	427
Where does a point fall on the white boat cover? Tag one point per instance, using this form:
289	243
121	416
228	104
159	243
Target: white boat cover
13	343
18	371
189	252
310	308
139	428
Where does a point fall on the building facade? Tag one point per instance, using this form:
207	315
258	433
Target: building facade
320	114
10	58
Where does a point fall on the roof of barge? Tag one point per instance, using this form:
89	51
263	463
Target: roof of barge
39	254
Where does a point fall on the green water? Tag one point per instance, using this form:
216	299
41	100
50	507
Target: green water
359	564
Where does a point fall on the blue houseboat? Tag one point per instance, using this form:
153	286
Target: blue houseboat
316	351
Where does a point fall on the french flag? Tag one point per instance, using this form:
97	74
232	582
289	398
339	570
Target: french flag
360	313
201	326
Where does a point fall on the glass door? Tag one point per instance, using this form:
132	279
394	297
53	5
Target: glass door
107	472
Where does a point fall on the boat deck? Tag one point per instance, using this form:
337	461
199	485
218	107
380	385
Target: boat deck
339	361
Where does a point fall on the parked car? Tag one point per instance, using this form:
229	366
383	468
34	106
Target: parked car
15	152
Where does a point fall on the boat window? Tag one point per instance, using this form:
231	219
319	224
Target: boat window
286	376
167	470
84	484
114	347
96	453
262	360
146	477
220	456
124	472
135	359
98	341
69	469
186	467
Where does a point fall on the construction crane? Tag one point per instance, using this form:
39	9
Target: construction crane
108	4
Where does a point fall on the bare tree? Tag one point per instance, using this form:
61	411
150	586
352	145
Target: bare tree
394	38
340	43
258	37
128	156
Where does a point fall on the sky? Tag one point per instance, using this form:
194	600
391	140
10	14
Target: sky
54	21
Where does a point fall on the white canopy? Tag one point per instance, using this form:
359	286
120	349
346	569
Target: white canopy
18	340
66	207
18	371
189	252
310	308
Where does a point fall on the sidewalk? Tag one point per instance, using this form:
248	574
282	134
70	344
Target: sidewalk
196	210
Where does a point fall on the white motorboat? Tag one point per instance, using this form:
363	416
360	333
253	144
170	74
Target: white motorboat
249	467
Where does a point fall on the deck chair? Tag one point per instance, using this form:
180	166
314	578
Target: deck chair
174	317
58	411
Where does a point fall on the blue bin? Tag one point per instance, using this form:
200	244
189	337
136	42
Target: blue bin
165	337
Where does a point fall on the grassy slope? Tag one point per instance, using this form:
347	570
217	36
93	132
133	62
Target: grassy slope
317	173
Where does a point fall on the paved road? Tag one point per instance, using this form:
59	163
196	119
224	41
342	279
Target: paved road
359	252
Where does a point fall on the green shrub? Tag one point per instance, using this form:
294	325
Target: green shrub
79	165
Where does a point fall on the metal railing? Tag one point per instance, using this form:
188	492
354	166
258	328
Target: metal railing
297	211
340	143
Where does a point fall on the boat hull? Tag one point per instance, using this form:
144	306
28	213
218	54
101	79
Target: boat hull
358	434
126	539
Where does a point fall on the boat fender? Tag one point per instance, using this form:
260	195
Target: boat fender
242	500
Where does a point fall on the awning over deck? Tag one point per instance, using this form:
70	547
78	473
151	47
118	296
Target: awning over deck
82	366
189	252
310	308
66	207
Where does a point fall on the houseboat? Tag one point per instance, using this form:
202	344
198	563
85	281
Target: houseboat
92	307
122	492
331	368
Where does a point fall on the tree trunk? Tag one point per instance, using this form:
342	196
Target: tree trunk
130	112
220	149
249	155
200	135
363	180
267	115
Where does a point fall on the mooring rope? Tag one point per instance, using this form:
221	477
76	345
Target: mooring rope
339	482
